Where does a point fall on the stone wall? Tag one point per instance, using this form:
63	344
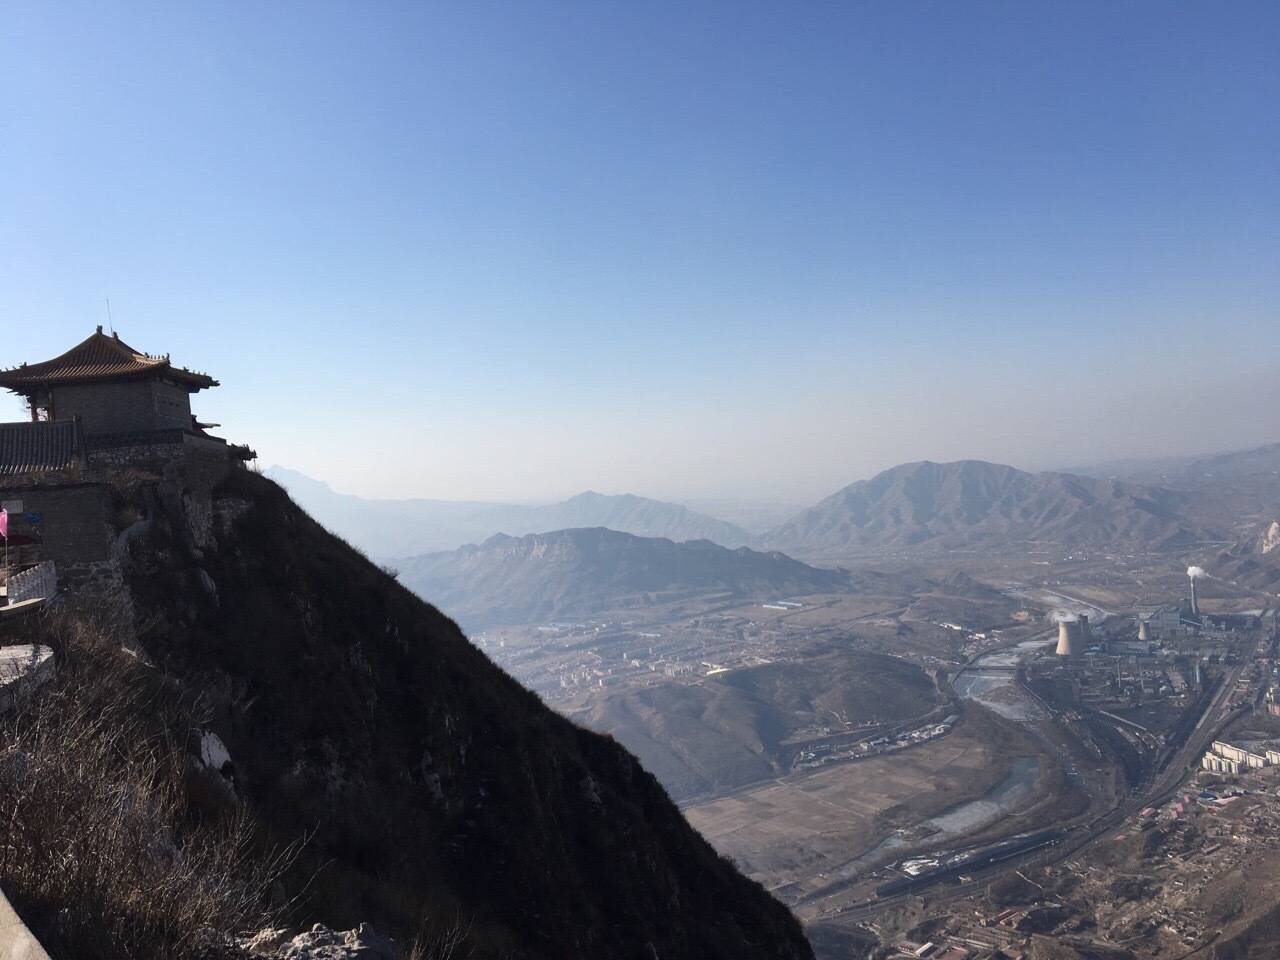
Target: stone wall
74	521
158	450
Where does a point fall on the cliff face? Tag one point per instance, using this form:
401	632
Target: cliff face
430	783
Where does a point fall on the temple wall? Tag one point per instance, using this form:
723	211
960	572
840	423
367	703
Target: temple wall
120	407
172	406
125	406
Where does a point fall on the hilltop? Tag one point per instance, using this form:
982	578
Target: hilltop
975	505
397	528
579	572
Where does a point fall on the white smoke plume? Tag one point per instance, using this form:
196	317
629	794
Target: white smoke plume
1196	572
1063	616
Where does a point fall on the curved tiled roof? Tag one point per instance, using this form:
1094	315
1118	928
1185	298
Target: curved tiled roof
100	357
37	447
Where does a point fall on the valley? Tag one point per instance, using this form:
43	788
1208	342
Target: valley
835	744
880	723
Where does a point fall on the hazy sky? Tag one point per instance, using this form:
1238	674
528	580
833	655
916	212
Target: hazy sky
516	250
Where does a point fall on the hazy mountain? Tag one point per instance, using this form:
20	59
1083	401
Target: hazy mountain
1172	471
1233	491
754	516
575	573
386	528
626	513
397	528
972	504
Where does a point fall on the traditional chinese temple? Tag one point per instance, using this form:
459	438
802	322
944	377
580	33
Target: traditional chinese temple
103	401
101	411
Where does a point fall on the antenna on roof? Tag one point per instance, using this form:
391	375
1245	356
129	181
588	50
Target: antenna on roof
110	324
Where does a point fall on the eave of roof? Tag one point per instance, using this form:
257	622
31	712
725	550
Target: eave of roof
99	357
37	447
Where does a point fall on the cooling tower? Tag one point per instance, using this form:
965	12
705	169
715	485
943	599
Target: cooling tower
1068	638
1144	631
1084	635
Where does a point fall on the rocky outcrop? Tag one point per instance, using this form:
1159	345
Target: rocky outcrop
320	943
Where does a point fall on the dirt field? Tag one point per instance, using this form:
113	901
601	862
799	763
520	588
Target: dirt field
799	835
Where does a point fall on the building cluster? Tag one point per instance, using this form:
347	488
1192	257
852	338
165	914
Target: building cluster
821	754
1223	757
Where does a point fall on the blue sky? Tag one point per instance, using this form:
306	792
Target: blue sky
516	250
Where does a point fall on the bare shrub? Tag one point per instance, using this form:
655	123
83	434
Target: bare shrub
443	941
101	849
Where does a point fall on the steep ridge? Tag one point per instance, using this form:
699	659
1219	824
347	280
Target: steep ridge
397	528
976	505
583	571
426	782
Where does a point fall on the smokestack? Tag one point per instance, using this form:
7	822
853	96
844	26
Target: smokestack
1194	574
1083	620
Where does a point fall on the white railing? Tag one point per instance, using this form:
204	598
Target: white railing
40	581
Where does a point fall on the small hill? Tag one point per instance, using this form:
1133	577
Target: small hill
580	572
400	528
730	730
975	505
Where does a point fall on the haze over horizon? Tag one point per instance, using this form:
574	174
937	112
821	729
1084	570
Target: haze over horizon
512	252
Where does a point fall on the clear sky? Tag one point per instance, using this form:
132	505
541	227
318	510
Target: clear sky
517	250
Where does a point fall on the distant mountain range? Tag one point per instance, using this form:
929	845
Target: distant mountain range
580	572
1232	491
917	508
975	505
396	528
1175	471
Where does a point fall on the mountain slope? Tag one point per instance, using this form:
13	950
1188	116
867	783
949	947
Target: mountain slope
398	528
1255	560
424	780
972	504
575	573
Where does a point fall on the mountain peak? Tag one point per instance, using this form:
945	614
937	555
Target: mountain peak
975	504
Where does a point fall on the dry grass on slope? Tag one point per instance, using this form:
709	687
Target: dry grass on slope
103	850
